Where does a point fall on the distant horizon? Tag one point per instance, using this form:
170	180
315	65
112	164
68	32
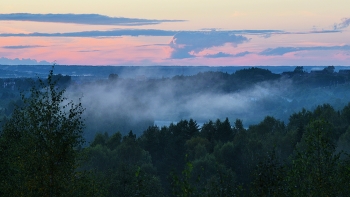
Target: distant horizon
151	72
218	66
171	65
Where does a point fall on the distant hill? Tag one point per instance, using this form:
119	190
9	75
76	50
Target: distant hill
102	72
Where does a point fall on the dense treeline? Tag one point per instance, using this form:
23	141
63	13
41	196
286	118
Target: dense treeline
277	95
306	157
245	78
172	99
43	154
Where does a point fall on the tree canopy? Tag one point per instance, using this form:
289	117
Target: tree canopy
39	144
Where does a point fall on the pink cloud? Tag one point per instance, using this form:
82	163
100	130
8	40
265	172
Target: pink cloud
145	51
84	50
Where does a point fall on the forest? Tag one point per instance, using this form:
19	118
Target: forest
51	144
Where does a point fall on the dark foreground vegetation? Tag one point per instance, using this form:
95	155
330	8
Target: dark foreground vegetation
43	153
306	157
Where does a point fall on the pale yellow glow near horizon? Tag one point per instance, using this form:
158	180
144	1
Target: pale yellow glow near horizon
227	14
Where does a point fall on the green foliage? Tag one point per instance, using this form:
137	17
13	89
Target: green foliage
269	177
218	131
313	171
343	143
197	147
182	186
100	139
346	114
239	126
225	132
114	141
226	154
268	126
38	145
208	131
122	167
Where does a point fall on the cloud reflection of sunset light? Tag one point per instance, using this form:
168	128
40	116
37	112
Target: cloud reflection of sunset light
213	33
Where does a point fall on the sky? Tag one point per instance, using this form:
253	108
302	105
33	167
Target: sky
175	32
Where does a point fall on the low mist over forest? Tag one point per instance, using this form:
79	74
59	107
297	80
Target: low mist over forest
133	103
247	133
